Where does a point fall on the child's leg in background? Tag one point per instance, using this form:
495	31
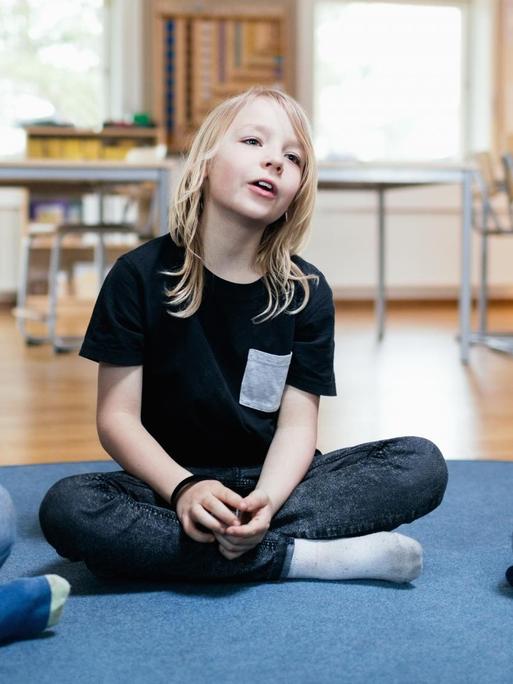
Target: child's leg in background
29	605
120	527
7	525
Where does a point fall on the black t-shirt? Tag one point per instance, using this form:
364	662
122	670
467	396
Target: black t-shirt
212	383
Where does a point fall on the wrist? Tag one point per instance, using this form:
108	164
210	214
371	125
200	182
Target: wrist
182	486
272	504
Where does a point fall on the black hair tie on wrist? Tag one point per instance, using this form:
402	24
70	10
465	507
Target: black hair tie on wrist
182	484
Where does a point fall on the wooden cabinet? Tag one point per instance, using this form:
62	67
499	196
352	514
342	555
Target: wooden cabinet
206	51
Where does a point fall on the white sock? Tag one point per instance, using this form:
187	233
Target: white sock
383	556
60	592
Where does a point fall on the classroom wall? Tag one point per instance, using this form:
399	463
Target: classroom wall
423	225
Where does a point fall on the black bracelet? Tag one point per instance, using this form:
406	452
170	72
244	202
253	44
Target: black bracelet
182	484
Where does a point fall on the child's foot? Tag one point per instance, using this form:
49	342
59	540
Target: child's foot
59	588
386	556
30	605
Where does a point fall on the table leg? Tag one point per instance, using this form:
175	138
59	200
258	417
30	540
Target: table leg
163	196
101	206
466	255
380	294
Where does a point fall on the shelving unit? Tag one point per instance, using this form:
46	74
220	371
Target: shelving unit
204	52
59	142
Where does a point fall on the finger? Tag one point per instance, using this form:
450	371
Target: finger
243	516
255	500
193	532
217	508
231	544
253	528
199	515
232	498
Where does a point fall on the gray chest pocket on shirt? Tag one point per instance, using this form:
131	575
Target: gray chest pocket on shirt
264	380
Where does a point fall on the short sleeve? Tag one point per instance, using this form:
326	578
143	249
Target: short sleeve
311	368
115	333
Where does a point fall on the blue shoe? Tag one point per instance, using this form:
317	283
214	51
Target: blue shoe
30	605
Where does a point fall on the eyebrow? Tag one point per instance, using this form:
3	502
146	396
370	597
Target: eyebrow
264	129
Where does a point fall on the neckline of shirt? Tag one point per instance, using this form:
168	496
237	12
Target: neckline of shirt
227	287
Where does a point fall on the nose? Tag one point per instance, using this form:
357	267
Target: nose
277	163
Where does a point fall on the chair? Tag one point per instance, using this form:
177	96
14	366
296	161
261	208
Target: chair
507	164
487	221
67	240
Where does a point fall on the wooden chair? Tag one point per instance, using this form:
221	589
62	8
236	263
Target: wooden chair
492	198
507	164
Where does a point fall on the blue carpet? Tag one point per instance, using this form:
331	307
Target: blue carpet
454	624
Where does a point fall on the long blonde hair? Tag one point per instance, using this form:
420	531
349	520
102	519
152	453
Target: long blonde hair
280	239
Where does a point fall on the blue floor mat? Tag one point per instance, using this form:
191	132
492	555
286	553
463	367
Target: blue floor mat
453	624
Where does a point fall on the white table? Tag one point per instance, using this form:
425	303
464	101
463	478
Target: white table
46	174
38	174
67	177
383	178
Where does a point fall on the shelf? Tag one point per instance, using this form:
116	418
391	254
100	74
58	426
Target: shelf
117	132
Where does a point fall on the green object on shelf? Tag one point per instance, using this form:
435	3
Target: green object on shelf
142	119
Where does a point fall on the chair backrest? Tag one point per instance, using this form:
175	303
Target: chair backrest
488	186
143	194
485	167
509	143
507	163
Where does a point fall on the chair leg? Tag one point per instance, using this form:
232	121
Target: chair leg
21	299
53	289
483	287
100	259
70	281
22	293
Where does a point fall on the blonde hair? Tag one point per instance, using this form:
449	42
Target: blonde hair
280	239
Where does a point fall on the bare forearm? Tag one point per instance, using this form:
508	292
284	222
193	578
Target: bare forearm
128	442
287	461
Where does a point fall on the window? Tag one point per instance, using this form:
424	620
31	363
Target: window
51	65
388	80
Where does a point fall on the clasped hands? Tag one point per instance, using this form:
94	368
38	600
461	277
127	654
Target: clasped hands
208	504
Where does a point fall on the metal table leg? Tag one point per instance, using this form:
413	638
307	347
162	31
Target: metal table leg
380	294
466	255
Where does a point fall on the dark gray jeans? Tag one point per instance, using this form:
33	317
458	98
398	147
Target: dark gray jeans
120	527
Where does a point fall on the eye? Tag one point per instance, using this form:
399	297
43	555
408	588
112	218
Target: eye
248	139
295	159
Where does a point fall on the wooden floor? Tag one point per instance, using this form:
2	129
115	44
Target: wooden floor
410	383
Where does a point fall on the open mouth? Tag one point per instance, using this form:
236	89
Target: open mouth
263	188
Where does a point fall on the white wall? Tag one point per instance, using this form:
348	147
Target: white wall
422	245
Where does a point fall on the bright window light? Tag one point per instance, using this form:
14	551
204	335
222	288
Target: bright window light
51	66
388	81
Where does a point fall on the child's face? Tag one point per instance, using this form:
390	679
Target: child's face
248	153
